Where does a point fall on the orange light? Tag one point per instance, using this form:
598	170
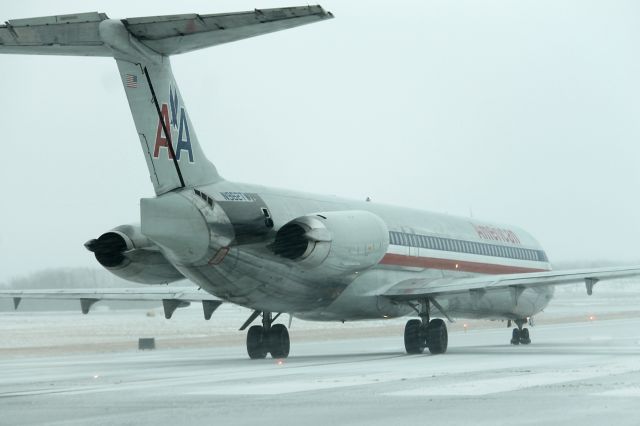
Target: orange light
280	362
592	317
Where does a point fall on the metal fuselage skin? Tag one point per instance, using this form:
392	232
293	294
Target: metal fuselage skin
225	250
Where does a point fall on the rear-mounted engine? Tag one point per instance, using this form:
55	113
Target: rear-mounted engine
127	253
343	241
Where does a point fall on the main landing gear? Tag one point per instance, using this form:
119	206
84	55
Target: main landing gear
425	333
267	338
520	336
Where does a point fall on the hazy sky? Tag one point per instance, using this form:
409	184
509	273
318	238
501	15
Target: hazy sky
523	112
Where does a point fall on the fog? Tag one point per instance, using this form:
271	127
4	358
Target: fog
517	112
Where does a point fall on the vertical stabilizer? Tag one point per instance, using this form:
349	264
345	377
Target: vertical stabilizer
169	143
141	48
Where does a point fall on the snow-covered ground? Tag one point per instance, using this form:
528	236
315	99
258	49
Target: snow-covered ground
583	368
104	330
585	373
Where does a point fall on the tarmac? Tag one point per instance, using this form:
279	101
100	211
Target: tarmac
577	371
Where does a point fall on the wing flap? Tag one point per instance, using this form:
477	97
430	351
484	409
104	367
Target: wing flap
417	288
124	294
171	298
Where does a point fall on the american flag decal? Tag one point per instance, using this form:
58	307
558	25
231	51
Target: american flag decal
131	80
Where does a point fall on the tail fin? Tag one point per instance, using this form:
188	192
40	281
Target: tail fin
169	143
141	47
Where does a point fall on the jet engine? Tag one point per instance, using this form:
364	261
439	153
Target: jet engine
125	252
340	241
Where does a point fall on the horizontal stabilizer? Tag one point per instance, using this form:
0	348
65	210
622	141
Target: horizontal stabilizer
79	34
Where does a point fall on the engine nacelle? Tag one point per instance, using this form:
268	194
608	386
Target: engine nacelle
341	241
127	253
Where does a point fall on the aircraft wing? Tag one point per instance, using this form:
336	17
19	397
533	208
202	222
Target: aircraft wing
171	298
79	34
414	289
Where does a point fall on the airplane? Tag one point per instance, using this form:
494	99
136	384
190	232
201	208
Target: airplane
277	251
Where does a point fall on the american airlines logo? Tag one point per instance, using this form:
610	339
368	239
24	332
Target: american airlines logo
496	234
178	127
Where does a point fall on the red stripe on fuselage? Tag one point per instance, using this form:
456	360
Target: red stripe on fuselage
453	265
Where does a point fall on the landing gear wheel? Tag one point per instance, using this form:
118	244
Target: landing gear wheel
515	336
279	341
413	339
524	336
437	336
256	342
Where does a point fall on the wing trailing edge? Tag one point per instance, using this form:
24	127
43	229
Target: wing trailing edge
413	289
171	298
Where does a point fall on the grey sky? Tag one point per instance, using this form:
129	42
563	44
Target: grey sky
525	112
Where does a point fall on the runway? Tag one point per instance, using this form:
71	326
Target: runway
584	373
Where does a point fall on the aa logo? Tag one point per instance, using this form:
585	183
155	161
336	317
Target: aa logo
177	125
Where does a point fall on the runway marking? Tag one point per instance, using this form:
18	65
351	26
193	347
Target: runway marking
42	392
279	388
622	392
514	382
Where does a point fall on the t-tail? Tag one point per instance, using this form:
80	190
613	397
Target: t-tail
141	48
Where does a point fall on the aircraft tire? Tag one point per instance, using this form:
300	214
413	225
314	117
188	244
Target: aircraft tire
515	337
413	340
524	336
279	342
437	336
256	342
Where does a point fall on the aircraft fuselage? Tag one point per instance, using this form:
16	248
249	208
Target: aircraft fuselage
242	268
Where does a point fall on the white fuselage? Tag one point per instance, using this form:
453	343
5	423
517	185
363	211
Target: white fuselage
421	245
